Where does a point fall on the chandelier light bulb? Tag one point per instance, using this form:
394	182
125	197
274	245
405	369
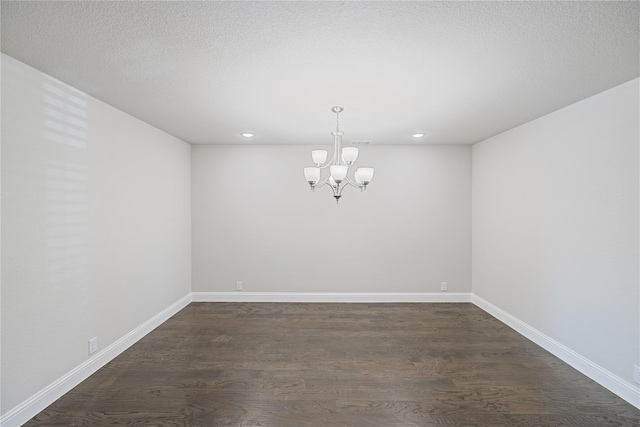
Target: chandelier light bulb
312	175
338	173
365	175
349	155
319	156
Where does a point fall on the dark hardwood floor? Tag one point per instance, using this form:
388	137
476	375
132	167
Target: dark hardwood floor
264	364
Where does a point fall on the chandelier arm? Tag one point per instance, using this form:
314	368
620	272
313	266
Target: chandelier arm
322	183
352	183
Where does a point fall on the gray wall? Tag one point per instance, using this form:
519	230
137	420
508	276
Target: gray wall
555	226
95	227
255	220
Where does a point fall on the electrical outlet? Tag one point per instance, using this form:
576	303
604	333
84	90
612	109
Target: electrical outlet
93	345
238	286
636	374
443	286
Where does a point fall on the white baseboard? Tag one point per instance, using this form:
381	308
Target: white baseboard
45	397
389	297
612	382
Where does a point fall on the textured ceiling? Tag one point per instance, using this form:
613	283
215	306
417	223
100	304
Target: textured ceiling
207	71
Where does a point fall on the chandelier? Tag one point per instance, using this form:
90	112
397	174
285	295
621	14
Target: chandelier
338	165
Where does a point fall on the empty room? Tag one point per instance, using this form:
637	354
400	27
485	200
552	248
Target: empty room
310	213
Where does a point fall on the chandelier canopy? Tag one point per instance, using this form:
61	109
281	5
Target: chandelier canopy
343	158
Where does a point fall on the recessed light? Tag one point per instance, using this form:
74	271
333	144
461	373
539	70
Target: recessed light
247	135
418	135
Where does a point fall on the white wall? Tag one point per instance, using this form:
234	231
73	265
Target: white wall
95	227
555	226
255	220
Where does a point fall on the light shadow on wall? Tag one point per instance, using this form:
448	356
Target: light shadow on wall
67	190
